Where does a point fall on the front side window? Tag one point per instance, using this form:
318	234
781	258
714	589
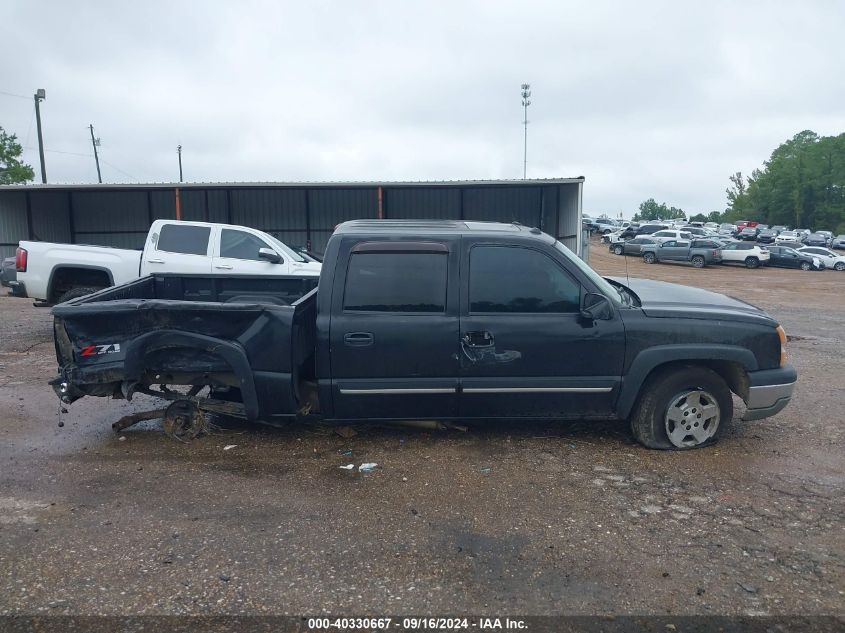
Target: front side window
184	238
240	245
396	282
512	279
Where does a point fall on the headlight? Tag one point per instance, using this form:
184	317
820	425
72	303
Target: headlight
782	337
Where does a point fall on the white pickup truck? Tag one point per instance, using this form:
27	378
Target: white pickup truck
53	273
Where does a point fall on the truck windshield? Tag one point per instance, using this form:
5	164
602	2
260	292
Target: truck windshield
601	283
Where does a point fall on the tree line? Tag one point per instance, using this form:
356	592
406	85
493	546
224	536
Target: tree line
802	185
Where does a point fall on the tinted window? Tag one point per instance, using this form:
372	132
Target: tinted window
240	245
665	234
184	238
396	282
744	247
669	243
512	279
704	244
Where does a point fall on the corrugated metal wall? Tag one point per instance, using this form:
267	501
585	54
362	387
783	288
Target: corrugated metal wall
297	215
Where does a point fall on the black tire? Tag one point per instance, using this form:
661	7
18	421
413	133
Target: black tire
75	293
698	261
752	262
618	250
805	266
648	419
649	258
840	266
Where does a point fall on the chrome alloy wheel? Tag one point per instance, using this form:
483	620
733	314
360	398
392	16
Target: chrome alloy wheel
692	418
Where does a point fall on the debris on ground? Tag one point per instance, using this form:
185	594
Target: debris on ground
486	469
367	467
347	453
346	432
229	447
347	467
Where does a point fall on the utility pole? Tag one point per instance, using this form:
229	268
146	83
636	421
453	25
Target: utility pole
95	142
179	151
39	96
526	92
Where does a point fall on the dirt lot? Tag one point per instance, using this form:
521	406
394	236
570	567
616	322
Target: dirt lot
538	519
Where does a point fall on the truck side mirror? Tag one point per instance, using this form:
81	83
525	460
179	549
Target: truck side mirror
270	255
595	307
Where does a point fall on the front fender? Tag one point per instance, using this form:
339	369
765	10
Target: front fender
650	359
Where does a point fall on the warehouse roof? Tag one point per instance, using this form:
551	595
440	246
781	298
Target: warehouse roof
333	184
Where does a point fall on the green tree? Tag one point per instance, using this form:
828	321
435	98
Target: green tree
12	170
651	210
801	185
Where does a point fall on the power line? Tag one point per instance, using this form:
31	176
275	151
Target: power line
81	155
58	151
12	94
105	162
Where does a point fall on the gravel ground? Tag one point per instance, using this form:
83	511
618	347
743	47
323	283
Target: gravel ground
541	519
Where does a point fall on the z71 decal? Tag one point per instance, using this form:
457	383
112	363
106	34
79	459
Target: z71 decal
96	350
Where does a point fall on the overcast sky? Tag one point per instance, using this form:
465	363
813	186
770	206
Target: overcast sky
645	99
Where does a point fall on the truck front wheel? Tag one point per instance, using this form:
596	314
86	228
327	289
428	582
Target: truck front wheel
681	408
649	258
698	261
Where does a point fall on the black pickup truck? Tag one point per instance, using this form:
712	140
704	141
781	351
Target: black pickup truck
431	320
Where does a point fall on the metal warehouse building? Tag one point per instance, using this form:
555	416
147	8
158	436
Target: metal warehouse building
299	214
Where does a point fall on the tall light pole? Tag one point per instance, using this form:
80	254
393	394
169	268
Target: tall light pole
179	151
526	92
39	96
95	142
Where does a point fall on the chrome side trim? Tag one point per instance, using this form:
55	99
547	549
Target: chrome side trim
537	389
370	392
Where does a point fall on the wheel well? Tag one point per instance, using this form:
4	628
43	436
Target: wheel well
65	278
733	373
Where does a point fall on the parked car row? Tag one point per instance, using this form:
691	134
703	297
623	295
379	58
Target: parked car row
701	252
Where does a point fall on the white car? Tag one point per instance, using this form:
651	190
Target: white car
746	253
674	234
825	255
787	236
54	273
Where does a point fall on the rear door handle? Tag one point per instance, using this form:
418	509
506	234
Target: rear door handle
358	339
223	266
155	261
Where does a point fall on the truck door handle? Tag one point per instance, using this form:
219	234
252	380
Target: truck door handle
476	340
155	261
358	339
223	266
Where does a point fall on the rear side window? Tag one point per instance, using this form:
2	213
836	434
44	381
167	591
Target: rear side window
513	279
183	238
240	245
396	282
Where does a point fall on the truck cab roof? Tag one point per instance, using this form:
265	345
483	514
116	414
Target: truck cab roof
418	228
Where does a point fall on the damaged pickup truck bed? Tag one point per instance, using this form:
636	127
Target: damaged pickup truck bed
431	320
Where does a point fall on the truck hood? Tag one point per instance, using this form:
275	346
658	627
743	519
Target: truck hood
305	268
662	299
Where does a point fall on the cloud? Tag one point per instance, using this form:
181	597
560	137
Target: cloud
654	99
